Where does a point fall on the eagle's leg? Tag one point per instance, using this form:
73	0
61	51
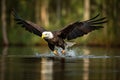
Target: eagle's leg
52	47
63	49
55	52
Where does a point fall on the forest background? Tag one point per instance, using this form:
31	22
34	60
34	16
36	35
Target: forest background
56	14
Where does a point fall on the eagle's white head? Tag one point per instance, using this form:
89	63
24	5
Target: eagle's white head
47	35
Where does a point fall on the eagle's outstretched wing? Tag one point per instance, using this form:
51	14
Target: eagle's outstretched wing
29	26
78	29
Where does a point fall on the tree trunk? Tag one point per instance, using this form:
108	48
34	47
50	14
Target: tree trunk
44	12
105	30
37	11
58	10
86	13
3	19
86	9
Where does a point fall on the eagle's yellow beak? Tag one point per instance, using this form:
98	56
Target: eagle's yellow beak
43	36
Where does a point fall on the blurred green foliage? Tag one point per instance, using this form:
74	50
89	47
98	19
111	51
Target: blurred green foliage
61	13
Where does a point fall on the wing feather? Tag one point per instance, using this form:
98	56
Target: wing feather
28	25
78	29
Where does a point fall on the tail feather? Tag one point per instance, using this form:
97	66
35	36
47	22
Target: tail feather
70	44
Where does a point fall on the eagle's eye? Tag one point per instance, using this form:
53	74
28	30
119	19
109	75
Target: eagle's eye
46	34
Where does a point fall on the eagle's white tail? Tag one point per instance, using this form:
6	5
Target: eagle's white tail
70	44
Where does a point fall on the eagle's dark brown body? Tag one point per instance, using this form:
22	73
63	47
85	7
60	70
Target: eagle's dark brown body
56	41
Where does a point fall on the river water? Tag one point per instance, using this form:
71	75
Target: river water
80	63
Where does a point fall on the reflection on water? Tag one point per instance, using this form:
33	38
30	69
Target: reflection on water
46	69
3	67
88	64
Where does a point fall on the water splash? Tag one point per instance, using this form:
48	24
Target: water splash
73	54
93	56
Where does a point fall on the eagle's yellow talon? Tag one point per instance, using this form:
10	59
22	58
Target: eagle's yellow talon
63	51
55	52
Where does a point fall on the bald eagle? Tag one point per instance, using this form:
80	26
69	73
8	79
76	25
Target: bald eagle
57	38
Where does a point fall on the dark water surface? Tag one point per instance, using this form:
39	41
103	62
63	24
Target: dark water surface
37	63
